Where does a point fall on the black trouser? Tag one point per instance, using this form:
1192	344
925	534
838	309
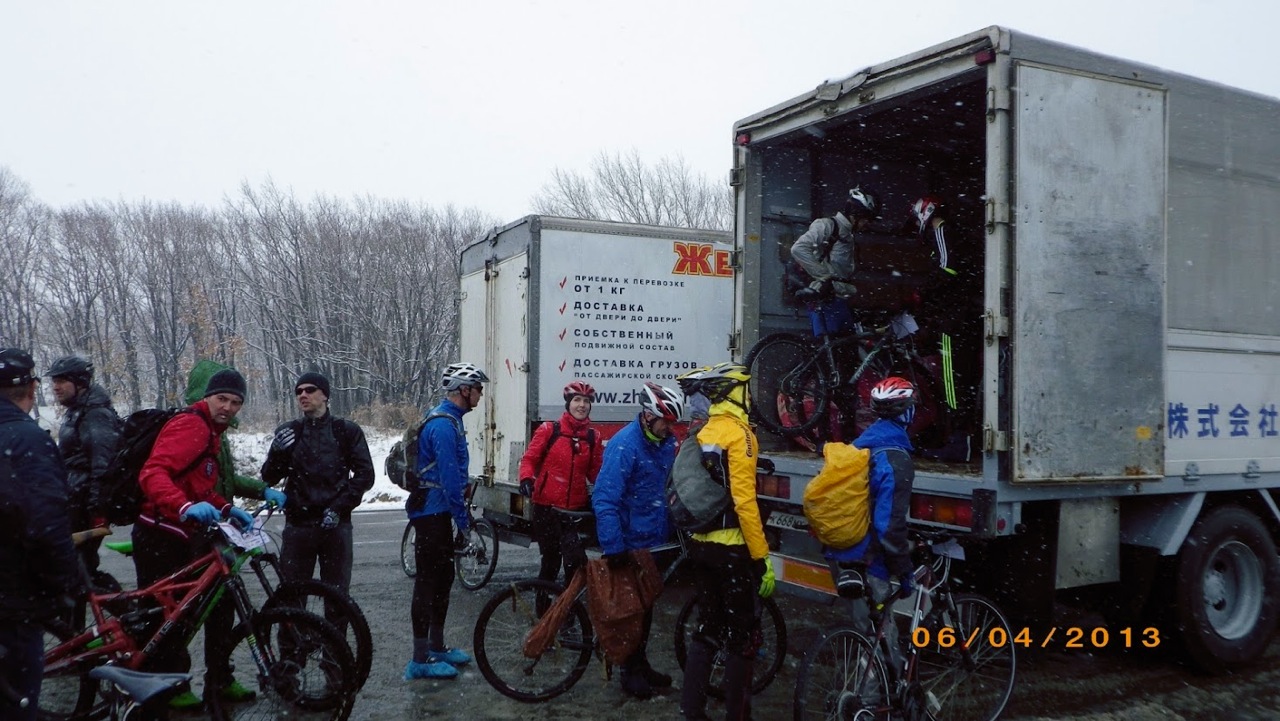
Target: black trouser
156	554
728	618
303	545
82	520
558	539
433	552
22	667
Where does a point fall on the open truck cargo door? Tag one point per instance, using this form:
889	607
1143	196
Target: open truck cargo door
1089	264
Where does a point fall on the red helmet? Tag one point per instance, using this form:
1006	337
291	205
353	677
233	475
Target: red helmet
924	209
661	402
892	396
579	388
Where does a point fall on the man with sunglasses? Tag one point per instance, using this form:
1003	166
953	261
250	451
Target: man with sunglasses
325	464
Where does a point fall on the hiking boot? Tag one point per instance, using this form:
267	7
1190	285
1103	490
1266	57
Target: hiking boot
635	685
453	656
439	669
656	679
850	584
185	701
236	692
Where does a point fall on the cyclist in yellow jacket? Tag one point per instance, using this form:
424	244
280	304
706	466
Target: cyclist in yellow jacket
732	562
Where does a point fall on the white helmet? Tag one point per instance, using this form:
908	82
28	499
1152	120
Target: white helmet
458	375
661	402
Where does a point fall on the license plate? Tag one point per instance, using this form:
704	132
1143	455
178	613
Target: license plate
788	521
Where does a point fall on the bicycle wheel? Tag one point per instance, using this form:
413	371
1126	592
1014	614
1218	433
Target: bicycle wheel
306	672
972	684
769	659
408	561
842	678
475	567
788	383
338	608
65	692
501	628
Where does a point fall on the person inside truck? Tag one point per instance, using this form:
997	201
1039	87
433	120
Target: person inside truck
825	251
948	311
557	471
732	560
630	504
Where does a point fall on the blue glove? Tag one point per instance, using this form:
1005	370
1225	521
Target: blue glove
241	518
274	497
202	512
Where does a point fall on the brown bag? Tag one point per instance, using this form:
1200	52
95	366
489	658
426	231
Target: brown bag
648	577
544	631
617	600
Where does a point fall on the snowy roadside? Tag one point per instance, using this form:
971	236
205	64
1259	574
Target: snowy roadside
250	449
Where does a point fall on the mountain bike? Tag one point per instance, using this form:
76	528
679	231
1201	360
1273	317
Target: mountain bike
475	563
130	695
793	378
509	616
296	662
956	660
336	605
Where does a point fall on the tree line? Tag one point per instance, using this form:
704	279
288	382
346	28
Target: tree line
363	290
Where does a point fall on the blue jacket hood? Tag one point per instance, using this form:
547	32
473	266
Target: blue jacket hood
884	434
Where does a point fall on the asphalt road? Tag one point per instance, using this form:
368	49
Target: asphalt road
1093	684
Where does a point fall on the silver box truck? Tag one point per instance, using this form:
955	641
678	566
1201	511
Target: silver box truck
548	300
1123	227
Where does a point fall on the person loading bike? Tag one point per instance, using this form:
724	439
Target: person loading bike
732	561
825	251
557	471
886	549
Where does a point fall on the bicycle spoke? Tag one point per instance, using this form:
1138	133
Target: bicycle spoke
501	630
971	682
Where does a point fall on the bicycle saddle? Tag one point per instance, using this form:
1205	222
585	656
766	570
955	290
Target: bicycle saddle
139	685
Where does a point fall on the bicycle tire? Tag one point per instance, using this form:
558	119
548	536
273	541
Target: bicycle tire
788	383
408	561
345	614
841	677
68	693
501	628
975	693
476	567
771	656
312	682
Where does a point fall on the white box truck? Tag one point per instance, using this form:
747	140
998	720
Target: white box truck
549	300
1122	224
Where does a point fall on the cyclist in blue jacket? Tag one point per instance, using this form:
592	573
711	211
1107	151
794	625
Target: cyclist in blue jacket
631	506
442	464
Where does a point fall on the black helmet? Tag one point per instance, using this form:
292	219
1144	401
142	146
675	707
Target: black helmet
74	368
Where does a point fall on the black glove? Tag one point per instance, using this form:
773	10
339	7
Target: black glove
330	520
618	560
526	487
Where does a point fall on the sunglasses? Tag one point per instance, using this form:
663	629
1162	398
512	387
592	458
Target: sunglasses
304	389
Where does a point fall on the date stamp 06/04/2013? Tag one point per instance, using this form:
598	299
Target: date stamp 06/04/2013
1069	637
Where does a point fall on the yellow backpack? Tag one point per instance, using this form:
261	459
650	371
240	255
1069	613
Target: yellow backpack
836	500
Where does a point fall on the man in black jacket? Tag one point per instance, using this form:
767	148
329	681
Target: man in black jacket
326	467
38	573
87	441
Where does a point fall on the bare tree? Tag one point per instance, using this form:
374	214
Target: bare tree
625	188
23	225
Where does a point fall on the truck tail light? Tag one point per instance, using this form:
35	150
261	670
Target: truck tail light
742	139
942	509
773	486
984	57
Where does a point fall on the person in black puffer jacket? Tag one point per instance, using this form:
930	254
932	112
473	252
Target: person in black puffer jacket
325	464
87	441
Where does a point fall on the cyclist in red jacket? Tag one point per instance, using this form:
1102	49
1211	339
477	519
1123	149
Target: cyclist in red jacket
557	470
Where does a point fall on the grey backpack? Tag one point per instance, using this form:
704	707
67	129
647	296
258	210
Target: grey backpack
696	501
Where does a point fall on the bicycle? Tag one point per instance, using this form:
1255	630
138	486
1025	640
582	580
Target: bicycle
339	608
958	661
475	563
509	616
131	695
795	377
300	662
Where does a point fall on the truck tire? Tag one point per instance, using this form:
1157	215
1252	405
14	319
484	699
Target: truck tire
1228	590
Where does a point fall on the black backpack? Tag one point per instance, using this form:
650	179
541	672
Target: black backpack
121	492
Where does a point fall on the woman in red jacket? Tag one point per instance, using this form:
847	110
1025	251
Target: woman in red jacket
556	472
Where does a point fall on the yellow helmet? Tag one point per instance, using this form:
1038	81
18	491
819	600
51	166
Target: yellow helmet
718	381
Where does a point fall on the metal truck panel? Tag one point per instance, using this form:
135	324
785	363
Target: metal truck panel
1088	326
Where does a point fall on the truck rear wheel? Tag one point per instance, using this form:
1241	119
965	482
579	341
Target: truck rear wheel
1228	589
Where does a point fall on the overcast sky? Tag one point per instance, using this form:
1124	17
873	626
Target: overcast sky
475	102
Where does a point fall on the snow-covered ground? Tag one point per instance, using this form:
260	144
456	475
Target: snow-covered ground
250	449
